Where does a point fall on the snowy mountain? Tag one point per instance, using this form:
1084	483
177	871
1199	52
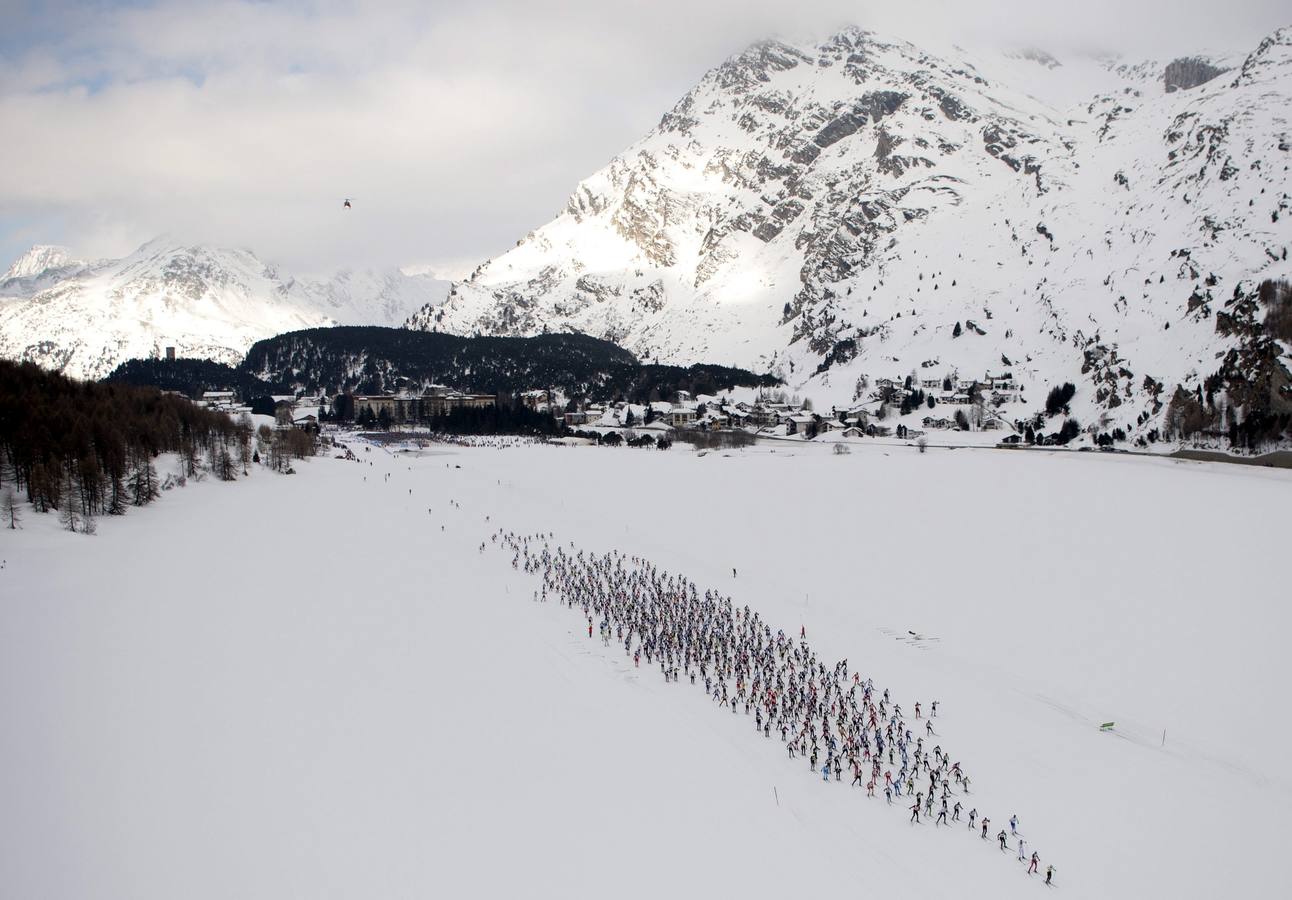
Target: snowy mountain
84	318
863	208
40	258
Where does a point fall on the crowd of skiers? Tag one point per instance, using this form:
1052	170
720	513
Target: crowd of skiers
830	716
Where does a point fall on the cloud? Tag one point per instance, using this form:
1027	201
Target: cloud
455	126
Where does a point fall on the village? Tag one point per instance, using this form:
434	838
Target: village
905	408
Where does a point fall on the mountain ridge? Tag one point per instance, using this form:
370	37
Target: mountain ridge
859	208
84	318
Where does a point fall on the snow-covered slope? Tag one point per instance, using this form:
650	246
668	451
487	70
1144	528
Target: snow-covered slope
864	207
206	701
85	318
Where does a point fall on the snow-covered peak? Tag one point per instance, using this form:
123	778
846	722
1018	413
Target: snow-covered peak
207	302
40	258
862	207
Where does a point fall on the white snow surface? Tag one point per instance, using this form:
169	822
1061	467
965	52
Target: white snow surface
317	686
83	319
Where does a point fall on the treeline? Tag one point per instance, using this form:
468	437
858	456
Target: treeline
503	418
372	360
88	448
192	377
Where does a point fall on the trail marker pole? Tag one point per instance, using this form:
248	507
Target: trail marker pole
777	795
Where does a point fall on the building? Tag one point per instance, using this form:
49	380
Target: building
405	408
224	401
800	423
441	404
681	416
170	354
537	400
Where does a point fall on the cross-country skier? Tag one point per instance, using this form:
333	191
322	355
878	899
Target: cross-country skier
915	811
1021	856
1049	874
1035	861
1001	837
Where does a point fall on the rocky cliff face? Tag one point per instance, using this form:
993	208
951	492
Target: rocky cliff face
85	318
862	208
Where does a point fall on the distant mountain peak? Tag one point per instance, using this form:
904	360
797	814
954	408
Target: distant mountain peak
40	258
207	302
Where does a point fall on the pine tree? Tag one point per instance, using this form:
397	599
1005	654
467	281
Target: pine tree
67	516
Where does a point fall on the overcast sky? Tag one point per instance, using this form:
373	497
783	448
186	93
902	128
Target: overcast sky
456	126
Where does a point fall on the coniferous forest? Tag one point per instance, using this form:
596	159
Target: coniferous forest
373	360
89	448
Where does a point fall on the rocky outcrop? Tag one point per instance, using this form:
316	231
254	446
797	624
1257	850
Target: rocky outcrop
1188	72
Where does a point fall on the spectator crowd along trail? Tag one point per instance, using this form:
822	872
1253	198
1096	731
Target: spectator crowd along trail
832	718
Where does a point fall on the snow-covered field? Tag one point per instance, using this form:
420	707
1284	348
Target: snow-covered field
317	686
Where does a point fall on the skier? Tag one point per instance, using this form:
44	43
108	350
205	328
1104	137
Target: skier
1013	824
1049	874
825	772
1021	855
1001	837
985	820
1035	861
915	811
733	571
973	814
955	813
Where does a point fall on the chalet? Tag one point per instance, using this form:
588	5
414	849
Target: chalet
800	423
852	431
931	422
578	417
873	430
